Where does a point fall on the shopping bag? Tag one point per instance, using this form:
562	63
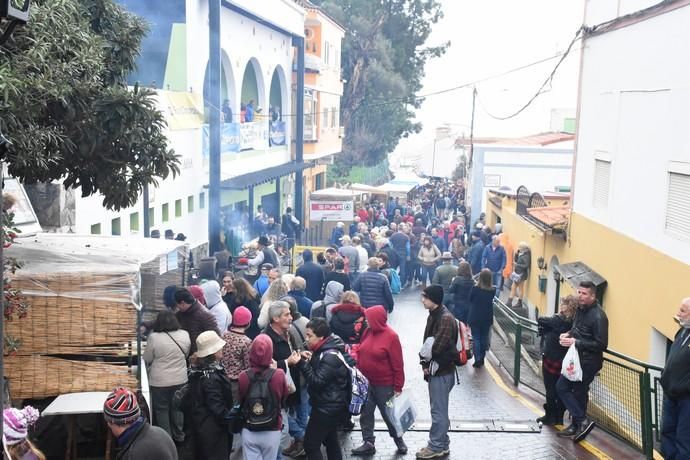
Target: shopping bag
401	412
571	368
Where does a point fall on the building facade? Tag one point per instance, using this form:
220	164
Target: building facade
323	135
629	228
257	42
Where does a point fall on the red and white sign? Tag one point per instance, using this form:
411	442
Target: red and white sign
331	211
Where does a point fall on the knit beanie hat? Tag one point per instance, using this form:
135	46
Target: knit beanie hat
121	407
241	317
434	293
17	422
198	294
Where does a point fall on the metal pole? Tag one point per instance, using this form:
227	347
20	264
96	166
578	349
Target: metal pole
298	42
518	351
646	409
147	221
474	100
214	105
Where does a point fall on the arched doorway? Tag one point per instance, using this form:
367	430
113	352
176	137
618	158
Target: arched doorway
227	91
277	107
253	90
552	288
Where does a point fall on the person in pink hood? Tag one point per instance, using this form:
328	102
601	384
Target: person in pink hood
380	359
262	442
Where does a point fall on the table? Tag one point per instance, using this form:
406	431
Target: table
73	404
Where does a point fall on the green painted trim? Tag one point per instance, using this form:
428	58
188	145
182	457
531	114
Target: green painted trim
176	68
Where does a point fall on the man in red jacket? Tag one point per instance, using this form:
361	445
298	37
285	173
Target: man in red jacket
381	361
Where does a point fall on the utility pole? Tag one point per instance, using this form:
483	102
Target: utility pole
214	105
298	42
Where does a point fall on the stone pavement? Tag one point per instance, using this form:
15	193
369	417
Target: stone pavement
483	396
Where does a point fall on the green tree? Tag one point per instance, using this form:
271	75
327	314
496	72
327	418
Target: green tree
384	54
66	106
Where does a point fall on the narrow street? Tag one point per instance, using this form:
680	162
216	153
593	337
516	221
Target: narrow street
489	417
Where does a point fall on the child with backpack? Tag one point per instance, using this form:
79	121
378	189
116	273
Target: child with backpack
263	390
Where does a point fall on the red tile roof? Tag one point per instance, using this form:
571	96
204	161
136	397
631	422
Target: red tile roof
553	216
542	139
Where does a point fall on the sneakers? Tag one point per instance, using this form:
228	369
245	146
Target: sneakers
296	449
367	448
583	430
425	452
400	444
568	432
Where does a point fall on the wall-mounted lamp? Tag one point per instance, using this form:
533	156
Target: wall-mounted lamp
541	263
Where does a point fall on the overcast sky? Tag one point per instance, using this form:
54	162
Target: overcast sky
487	38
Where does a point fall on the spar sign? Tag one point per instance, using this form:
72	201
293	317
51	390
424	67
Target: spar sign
331	211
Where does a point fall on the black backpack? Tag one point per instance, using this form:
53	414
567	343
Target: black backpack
260	408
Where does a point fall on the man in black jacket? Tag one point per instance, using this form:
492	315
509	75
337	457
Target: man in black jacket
373	287
313	275
675	379
590	334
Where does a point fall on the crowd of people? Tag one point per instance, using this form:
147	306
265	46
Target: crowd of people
275	362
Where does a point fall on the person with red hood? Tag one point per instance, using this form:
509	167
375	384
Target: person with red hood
380	359
258	445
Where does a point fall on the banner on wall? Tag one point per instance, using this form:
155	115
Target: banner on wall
277	133
235	137
331	211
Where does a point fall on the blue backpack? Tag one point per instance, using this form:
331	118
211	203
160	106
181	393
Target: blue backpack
395	281
359	386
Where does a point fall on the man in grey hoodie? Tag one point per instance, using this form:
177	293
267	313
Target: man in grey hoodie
216	306
332	295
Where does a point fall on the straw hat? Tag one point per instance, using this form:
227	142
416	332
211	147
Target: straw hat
208	343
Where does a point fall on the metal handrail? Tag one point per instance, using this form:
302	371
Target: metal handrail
648	392
504	308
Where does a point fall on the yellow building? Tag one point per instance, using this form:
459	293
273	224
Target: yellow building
323	90
628	222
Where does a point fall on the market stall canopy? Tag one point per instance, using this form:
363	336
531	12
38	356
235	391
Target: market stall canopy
365	188
333	192
262	176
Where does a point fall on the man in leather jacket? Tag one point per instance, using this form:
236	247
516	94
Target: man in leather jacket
590	334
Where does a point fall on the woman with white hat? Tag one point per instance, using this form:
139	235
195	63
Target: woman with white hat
211	392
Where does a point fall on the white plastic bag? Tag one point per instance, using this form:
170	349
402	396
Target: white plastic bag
401	412
571	369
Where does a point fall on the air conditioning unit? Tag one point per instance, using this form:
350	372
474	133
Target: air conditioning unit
15	9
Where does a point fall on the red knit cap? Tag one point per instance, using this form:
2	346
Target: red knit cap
121	407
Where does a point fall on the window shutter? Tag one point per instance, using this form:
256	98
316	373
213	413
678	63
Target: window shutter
602	180
678	204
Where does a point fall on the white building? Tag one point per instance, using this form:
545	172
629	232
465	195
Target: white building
542	163
256	64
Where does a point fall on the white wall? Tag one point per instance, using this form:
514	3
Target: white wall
540	169
634	110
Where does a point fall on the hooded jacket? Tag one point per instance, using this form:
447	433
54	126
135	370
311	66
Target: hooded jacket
347	322
216	306
313	274
380	352
148	441
374	289
334	291
260	356
328	380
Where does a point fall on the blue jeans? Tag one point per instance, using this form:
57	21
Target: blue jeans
439	392
497	281
482	341
675	429
575	395
428	271
298	416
